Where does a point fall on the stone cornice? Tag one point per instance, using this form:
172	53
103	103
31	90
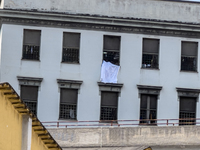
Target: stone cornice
100	23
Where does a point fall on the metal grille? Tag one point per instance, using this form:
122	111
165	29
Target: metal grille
112	57
32	106
187	115
189	63
152	115
71	55
150	61
31	52
67	111
108	113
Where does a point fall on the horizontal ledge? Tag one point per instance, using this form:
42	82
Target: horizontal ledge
29	78
69	81
187	90
110	84
149	87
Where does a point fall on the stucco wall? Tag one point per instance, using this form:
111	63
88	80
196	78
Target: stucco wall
50	69
156	137
10	126
149	9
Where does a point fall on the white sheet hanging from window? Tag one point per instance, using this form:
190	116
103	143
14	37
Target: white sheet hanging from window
109	72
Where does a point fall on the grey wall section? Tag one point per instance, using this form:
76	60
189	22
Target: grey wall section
149	9
184	137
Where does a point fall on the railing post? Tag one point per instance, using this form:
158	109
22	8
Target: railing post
167	122
57	124
111	123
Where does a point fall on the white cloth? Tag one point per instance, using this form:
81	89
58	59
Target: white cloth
71	114
109	72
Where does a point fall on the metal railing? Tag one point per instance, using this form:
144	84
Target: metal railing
120	123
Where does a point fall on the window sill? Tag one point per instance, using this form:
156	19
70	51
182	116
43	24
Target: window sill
114	123
30	60
151	68
187	71
63	62
150	124
67	120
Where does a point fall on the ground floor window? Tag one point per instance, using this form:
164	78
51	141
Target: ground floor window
187	110
109	104
68	104
148	108
29	95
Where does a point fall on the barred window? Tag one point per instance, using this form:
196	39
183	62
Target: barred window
68	104
148	108
109	104
150	54
111	49
31	44
187	110
189	56
71	44
29	95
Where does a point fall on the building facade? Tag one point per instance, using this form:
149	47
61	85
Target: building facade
52	54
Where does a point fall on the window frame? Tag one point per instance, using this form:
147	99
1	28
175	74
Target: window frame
149	121
30	81
23	45
188	93
30	101
109	87
116	107
61	103
180	111
143	66
196	67
63	41
73	85
149	90
115	51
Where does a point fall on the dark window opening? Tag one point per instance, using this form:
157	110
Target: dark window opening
68	104
29	95
31	45
71	44
111	49
109	104
189	56
150	53
187	111
148	109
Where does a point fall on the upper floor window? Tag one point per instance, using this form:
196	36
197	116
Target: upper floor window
71	45
150	53
187	111
187	105
148	108
111	49
29	91
149	96
109	105
29	94
69	90
68	104
31	44
189	56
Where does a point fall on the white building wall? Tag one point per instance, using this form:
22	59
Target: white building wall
149	9
50	68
